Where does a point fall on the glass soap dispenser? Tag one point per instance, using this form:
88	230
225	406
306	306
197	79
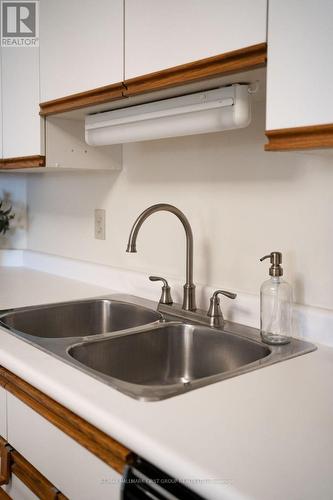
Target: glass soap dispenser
275	304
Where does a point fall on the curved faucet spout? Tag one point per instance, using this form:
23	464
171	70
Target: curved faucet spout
189	287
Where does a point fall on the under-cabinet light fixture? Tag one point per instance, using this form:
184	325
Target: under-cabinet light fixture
200	113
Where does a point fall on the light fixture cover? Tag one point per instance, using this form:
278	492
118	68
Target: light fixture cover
200	113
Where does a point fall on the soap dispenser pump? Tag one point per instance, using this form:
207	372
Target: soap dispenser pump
275	304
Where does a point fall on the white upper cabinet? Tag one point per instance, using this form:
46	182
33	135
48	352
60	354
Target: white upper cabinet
81	46
21	123
160	34
300	69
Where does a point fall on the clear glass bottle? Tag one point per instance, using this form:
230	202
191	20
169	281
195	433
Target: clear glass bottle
275	304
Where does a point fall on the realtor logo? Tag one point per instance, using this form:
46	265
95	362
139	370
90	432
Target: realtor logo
19	23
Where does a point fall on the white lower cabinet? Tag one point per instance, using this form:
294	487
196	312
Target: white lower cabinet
3	413
76	472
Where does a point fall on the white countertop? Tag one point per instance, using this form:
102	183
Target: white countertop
264	435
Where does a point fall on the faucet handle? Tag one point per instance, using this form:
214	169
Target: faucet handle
230	295
166	290
214	311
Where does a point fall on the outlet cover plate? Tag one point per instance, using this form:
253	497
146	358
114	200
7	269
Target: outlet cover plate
99	224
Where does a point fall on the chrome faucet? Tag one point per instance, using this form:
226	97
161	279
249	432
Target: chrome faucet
189	287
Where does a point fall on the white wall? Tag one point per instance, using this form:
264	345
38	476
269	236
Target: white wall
242	203
13	190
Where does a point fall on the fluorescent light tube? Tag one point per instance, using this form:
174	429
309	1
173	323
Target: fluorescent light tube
212	111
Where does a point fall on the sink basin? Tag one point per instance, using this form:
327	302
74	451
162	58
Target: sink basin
78	319
168	359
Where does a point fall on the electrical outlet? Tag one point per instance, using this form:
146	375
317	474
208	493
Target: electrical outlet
99	224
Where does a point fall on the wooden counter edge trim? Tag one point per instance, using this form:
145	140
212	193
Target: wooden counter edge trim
97	442
222	64
298	138
22	162
92	97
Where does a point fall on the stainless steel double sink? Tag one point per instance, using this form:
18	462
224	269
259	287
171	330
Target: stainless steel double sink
137	351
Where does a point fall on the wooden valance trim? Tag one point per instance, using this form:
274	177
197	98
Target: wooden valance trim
230	62
298	138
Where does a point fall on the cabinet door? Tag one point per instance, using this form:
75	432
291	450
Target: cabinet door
3	413
76	472
300	70
20	102
81	45
1	152
160	34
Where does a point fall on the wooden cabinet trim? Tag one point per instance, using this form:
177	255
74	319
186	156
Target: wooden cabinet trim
22	162
229	62
92	97
5	465
298	138
3	495
31	477
97	442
